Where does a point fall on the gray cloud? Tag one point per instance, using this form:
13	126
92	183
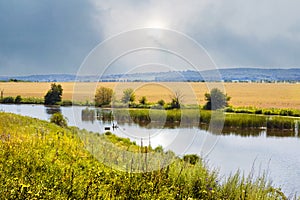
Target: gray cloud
55	36
235	33
45	36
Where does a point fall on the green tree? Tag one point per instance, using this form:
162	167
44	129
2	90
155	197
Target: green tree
161	102
128	95
53	96
58	119
18	99
143	100
103	96
216	99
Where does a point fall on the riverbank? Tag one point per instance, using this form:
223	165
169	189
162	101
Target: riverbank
42	160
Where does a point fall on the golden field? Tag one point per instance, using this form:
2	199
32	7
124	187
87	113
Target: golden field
261	95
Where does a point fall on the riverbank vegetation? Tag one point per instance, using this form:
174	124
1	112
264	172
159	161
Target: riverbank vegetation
174	111
40	160
197	117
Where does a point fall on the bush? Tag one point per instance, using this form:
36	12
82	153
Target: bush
259	111
143	100
8	100
161	102
58	119
229	109
191	158
18	99
286	112
108	133
128	96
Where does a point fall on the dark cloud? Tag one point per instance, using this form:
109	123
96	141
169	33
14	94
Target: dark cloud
45	36
38	37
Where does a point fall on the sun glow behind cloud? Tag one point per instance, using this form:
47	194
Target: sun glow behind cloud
156	23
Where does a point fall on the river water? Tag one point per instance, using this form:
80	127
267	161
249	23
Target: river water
257	151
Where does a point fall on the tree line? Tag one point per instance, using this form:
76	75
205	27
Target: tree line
104	96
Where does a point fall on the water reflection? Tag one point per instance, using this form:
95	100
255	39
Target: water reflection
50	110
106	116
88	115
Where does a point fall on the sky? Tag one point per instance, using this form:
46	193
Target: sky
53	36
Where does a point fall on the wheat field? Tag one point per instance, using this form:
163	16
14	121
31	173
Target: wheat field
260	95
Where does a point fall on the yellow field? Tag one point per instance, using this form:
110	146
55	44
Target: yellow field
262	95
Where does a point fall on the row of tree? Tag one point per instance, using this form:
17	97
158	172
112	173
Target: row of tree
216	99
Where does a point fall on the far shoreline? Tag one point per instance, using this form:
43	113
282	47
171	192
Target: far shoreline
245	95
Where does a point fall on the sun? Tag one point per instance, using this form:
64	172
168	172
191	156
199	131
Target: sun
156	23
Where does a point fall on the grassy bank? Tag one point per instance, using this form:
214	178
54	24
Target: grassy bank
40	160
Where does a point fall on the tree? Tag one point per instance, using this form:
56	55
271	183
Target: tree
161	102
128	95
143	100
216	99
176	99
53	96
103	96
18	99
58	119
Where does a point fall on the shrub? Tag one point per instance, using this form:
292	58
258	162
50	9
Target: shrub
259	111
108	133
128	96
176	101
8	100
143	100
58	119
161	102
286	112
18	99
191	158
229	109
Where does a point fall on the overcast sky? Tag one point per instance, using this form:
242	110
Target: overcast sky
54	36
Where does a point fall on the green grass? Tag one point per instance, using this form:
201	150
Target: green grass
269	111
193	117
40	160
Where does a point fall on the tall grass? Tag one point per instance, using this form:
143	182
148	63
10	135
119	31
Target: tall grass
40	160
194	117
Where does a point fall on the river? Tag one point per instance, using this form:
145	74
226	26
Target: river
258	151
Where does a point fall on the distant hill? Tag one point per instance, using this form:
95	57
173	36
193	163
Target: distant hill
230	74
